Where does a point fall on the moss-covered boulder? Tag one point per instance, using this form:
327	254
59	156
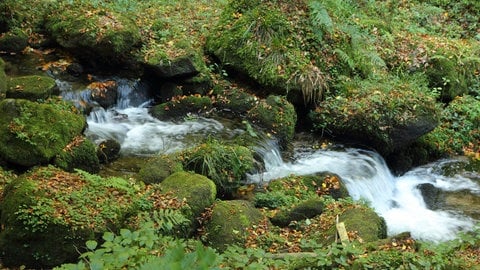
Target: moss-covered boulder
277	115
229	222
33	133
235	101
157	169
226	165
198	191
99	36
304	210
386	113
13	41
444	75
48	214
179	106
3	80
367	224
78	154
31	87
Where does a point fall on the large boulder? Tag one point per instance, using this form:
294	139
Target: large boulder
387	114
198	191
33	133
228	223
48	214
99	36
179	106
32	87
304	210
158	168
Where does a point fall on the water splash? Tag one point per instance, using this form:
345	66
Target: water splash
367	177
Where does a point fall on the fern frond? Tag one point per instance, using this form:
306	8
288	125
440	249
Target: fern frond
320	18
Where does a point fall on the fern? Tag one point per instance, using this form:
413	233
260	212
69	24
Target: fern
320	19
171	222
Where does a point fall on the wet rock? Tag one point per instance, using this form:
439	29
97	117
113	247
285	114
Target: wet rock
432	196
104	93
305	209
180	68
229	222
33	133
180	106
33	87
75	69
108	151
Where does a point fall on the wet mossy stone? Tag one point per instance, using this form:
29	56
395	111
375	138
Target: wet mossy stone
108	150
48	214
236	101
105	37
157	169
277	115
32	87
368	224
15	41
3	80
33	133
180	106
199	191
304	210
78	154
229	222
225	164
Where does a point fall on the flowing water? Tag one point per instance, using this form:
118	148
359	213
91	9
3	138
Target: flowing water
365	174
397	199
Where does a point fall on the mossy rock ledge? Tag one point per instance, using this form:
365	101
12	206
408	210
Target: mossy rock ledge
104	37
229	221
79	154
48	214
31	87
33	133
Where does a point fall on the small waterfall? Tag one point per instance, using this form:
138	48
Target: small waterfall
368	178
130	123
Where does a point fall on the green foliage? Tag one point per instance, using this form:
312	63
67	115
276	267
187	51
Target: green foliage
459	128
226	165
144	249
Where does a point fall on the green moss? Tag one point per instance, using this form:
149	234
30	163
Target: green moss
387	113
79	154
236	101
100	36
3	80
158	168
32	87
48	214
444	75
181	105
199	191
277	115
229	222
368	224
14	40
226	165
33	133
459	128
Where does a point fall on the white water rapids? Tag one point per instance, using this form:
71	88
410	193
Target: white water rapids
364	173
